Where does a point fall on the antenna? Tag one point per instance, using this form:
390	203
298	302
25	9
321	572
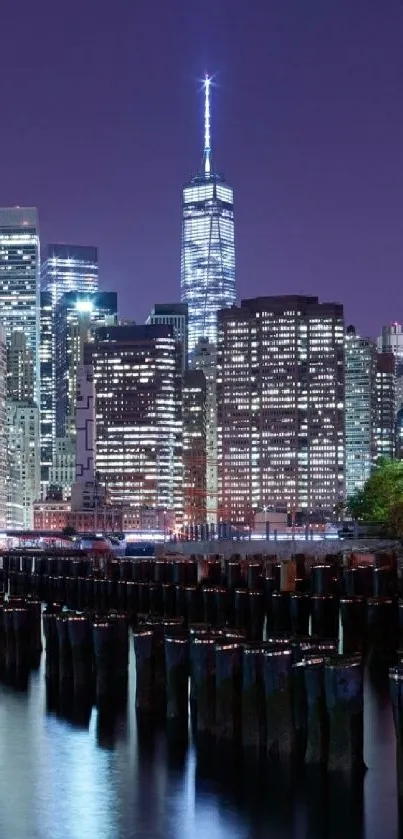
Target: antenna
207	136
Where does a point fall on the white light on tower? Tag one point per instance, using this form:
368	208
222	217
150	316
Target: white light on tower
207	136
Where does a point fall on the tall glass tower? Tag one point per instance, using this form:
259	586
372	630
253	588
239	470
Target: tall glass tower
208	244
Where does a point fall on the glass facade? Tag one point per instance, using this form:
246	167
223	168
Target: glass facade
207	255
69	268
361	410
75	319
19	278
47	394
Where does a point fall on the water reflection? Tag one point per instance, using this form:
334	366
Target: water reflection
68	771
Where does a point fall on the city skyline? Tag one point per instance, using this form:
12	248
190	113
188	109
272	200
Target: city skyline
313	156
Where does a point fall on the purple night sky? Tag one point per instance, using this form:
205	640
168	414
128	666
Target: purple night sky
101	124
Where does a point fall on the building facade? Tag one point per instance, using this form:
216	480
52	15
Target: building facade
68	268
205	360
19	278
208	245
360	409
76	316
385	393
47	402
3	431
137	374
194	448
280	407
23	485
175	315
23	434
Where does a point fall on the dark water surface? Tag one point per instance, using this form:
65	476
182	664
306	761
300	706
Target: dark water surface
114	779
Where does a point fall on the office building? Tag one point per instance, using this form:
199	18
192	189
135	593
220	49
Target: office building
205	359
76	316
23	475
360	409
23	434
175	315
137	374
3	431
47	403
63	471
280	407
385	394
208	244
20	369
194	448
391	341
19	278
67	268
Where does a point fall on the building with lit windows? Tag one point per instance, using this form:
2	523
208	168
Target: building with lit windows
76	316
208	245
138	391
175	315
280	407
385	394
205	359
194	447
47	407
360	409
3	431
22	422
19	278
69	268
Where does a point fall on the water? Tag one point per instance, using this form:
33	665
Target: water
115	780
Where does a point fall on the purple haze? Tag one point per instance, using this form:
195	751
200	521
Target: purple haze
101	124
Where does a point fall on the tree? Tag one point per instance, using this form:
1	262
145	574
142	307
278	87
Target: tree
381	500
69	530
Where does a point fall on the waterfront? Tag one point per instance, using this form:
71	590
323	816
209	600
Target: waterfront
113	779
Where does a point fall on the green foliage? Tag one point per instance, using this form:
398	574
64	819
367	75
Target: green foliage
381	500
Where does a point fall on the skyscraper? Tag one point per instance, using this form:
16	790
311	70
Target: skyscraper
175	315
47	403
205	359
360	410
23	455
385	393
3	431
194	447
19	278
137	375
280	405
69	268
208	244
76	316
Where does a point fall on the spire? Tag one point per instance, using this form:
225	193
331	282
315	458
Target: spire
207	137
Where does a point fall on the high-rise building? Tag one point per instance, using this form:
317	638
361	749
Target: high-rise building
22	413
69	268
23	485
47	404
20	369
385	393
194	447
19	278
205	360
391	340
208	244
360	409
76	316
280	405
137	374
3	431
175	315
